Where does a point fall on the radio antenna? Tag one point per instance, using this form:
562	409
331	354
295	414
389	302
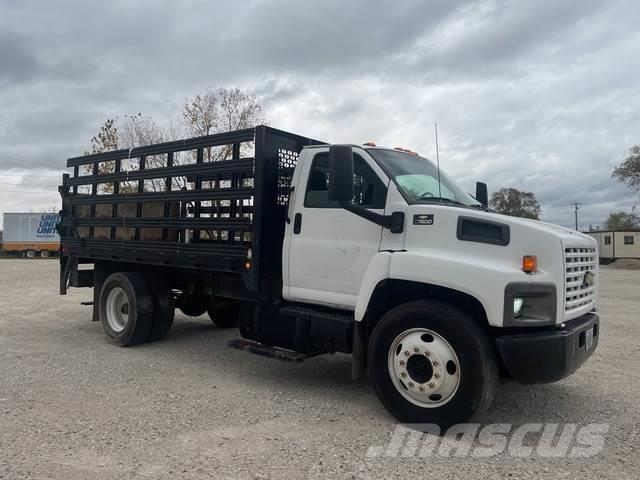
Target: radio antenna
438	161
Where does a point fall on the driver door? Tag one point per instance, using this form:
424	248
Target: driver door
330	248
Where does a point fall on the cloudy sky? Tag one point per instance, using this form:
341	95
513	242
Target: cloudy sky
541	96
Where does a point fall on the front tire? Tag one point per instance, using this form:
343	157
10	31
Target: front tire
432	363
126	308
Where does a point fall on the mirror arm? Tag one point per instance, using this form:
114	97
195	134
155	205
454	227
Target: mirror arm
394	222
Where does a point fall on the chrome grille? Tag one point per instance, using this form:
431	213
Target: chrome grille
579	261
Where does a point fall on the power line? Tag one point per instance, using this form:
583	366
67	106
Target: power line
21	164
18	160
21	175
28	185
30	191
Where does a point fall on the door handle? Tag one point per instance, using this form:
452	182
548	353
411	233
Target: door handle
297	223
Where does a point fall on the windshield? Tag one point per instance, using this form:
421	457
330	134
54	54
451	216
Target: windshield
417	179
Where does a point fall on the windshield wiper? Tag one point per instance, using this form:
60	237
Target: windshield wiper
430	198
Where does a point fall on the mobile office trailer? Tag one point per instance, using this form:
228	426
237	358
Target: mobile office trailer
313	248
614	244
31	234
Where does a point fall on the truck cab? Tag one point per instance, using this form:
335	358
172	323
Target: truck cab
357	249
530	287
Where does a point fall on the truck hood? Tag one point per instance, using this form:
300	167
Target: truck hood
567	235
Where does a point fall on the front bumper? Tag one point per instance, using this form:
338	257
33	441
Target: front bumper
549	356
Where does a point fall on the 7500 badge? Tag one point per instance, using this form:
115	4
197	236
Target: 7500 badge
423	219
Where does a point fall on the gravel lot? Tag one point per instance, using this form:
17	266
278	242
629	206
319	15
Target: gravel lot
73	406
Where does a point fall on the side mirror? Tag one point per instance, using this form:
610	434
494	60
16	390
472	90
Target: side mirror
340	173
481	193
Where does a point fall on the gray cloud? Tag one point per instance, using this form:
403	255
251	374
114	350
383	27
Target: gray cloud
18	60
537	95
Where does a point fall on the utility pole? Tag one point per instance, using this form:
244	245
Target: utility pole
438	160
576	207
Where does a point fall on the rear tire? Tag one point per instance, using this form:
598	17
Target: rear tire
431	363
126	308
45	253
225	316
163	311
193	306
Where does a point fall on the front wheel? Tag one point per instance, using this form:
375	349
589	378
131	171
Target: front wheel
431	363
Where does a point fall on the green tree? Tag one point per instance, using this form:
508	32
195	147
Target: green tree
516	203
628	172
622	220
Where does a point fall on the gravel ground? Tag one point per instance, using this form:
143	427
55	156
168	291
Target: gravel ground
73	406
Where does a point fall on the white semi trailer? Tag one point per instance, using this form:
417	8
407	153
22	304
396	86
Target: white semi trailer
31	234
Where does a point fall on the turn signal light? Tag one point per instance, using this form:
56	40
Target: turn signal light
529	264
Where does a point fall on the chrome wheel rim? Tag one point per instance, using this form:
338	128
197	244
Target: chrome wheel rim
424	367
117	309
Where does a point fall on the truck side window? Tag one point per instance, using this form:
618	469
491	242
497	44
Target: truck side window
369	191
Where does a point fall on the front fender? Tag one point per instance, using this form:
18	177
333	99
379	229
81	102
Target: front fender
480	278
377	271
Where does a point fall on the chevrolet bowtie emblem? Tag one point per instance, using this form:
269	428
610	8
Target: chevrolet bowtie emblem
589	279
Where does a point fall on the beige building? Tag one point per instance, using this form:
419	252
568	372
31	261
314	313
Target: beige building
617	243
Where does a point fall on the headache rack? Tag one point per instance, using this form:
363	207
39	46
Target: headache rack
214	203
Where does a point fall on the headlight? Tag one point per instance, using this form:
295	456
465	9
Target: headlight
517	307
529	304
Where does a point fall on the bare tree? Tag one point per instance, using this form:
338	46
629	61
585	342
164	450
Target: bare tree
138	131
134	131
214	111
106	139
221	110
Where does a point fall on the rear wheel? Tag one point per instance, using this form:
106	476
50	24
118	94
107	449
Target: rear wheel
431	363
30	254
163	311
194	305
126	308
225	315
45	253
